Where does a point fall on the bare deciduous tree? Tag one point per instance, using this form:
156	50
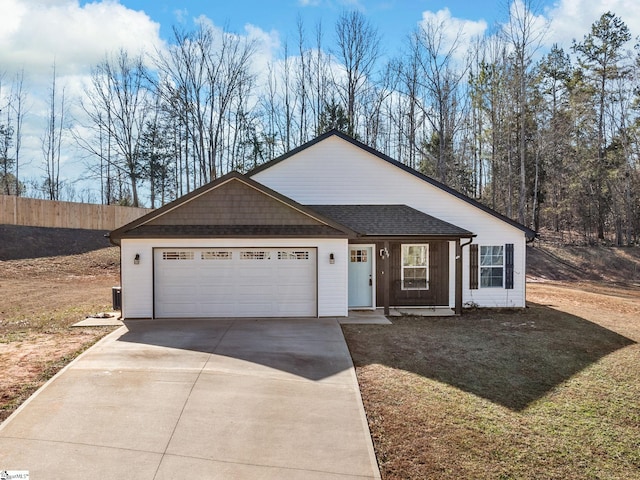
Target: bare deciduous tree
358	50
118	104
524	33
52	139
439	76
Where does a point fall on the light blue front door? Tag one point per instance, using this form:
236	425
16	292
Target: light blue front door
360	277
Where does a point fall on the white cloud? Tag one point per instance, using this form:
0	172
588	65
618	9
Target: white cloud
37	33
181	15
572	19
267	45
455	29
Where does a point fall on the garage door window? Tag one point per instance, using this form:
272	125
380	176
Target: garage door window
216	255
255	255
293	255
177	255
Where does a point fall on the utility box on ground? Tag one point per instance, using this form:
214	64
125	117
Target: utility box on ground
116	296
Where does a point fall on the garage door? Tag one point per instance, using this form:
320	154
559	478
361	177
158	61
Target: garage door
235	282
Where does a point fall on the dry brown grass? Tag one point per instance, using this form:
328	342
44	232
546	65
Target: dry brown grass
547	392
40	300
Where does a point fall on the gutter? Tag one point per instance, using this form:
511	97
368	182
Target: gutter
532	239
111	240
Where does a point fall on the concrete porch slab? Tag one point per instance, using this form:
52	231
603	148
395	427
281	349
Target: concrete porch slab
422	312
101	320
365	317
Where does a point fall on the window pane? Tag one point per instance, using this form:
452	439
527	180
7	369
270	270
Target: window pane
492	255
420	284
414	255
491	277
358	256
415	273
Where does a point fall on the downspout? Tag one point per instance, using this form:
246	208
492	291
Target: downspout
458	294
462	245
527	241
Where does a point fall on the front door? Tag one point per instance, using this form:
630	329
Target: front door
361	277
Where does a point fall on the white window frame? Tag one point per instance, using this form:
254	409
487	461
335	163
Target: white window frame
404	267
491	267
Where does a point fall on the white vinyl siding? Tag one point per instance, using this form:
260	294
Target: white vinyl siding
334	171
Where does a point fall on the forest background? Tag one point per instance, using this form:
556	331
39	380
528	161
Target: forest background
547	136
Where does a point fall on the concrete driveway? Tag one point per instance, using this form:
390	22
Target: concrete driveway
199	399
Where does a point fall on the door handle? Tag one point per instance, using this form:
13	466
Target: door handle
370	282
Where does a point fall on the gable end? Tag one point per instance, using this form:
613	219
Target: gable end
222	206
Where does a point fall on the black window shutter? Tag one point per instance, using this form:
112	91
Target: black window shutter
473	267
508	266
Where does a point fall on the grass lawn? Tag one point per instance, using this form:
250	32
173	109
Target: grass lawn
552	391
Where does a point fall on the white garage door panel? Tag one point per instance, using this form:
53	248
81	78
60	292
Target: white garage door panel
235	282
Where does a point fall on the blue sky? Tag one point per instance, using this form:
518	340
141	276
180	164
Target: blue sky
395	19
391	15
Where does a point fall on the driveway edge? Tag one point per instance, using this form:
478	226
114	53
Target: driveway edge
52	379
363	414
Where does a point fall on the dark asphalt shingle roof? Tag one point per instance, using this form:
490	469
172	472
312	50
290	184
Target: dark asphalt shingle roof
389	220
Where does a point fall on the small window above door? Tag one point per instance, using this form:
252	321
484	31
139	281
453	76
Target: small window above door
359	256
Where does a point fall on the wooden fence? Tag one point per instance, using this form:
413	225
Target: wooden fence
48	213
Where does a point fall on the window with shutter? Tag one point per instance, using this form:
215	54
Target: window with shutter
492	266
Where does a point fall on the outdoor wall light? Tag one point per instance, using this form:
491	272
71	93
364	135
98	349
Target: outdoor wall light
384	253
332	258
136	259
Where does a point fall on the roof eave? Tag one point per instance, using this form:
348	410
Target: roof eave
416	236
